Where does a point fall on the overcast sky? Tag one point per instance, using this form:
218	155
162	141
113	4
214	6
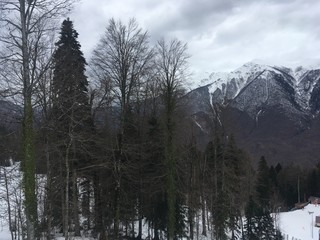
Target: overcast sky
222	35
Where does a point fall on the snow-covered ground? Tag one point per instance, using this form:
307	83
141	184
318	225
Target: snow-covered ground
300	224
10	177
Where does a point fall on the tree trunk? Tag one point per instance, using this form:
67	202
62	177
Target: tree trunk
203	215
75	204
97	204
117	211
29	182
140	211
49	193
170	171
156	233
117	172
132	230
86	202
66	203
140	227
191	222
8	201
171	202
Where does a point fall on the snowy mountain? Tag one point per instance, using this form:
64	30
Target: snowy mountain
265	84
271	110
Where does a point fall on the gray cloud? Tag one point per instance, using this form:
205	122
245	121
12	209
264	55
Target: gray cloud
221	34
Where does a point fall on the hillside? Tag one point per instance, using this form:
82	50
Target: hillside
300	224
271	111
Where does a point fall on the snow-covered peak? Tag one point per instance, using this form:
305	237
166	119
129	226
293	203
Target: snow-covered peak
228	85
244	72
217	79
250	67
239	77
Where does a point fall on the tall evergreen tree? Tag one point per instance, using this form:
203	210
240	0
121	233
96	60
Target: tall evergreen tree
265	225
251	213
236	195
263	184
70	85
71	121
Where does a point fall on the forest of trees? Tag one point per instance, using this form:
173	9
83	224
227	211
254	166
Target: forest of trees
113	136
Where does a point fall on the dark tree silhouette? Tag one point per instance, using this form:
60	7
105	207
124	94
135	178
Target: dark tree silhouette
70	120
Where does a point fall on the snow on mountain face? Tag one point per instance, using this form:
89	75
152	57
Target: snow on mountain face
308	90
272	111
299	73
253	86
231	83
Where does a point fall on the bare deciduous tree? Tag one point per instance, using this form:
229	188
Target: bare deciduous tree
172	63
120	62
26	26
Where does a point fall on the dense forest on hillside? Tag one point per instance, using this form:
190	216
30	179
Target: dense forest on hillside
115	141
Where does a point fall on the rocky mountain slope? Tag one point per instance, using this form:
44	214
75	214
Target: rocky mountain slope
271	111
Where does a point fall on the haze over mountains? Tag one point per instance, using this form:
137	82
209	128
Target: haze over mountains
271	111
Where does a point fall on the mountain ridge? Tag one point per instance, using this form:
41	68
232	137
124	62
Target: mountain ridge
250	71
271	111
279	108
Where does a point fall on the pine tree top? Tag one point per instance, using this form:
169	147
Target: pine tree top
69	81
68	41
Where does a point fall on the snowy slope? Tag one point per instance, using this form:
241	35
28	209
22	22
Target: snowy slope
11	177
11	197
298	224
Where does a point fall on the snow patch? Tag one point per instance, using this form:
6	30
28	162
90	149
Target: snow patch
198	124
300	224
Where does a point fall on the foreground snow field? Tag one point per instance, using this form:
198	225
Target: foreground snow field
300	224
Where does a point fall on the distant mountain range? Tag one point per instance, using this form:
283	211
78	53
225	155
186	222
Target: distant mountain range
271	111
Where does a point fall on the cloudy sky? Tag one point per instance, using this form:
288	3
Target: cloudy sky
222	35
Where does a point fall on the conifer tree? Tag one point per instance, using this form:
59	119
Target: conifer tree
263	184
70	85
265	225
71	120
234	175
251	213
